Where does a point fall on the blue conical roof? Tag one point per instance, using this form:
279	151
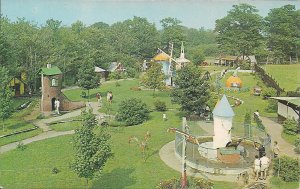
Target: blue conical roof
223	108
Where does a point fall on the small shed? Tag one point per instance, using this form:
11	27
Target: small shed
101	72
288	107
116	67
226	60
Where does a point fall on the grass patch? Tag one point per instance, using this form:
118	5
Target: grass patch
289	138
251	102
66	126
32	167
121	93
16	122
288	76
19	137
277	183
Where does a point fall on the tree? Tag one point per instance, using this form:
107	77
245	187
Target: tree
190	91
172	32
283	34
154	77
197	57
91	150
5	96
239	33
87	77
132	111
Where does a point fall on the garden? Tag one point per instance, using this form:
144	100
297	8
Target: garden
129	168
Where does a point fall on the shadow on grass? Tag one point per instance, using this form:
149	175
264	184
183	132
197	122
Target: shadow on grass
116	179
16	126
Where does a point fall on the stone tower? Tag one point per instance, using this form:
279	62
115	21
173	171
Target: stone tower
223	115
51	87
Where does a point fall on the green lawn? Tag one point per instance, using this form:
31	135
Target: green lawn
32	167
251	102
65	126
277	183
121	93
288	76
17	123
290	138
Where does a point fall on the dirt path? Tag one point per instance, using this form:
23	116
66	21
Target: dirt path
274	130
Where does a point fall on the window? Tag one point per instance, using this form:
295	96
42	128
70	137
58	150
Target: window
54	82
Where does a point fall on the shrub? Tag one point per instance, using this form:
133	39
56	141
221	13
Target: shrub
135	88
290	126
288	168
259	123
40	116
297	144
244	65
247	119
117	84
160	105
168	184
201	184
272	106
21	146
268	92
115	75
132	111
196	183
55	170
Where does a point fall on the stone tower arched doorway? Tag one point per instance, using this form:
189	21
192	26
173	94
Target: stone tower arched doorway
53	103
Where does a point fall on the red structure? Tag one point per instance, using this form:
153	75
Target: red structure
51	77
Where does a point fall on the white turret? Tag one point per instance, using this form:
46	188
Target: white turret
223	115
181	61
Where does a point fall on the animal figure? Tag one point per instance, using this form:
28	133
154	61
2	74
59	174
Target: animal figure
143	144
243	177
234	144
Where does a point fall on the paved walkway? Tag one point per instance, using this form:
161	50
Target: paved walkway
167	155
47	132
42	136
274	130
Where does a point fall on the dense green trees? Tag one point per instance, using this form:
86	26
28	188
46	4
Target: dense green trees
275	38
5	96
26	46
283	36
190	91
240	32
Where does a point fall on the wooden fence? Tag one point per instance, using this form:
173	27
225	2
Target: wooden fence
268	79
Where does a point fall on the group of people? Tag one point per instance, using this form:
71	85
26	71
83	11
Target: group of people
262	162
109	98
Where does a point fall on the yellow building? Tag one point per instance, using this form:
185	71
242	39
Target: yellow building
19	84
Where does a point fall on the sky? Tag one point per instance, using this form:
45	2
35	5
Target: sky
192	13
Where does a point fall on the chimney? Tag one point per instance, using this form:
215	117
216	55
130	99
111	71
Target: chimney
48	65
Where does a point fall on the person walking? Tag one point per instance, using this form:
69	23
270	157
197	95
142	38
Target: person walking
256	167
265	161
276	149
99	98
